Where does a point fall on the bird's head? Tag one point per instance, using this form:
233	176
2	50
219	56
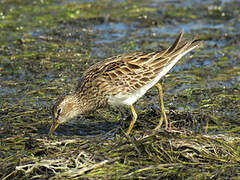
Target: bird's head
64	110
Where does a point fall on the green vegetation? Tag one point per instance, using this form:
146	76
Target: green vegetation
46	45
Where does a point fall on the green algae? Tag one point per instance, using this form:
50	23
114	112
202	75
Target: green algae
46	45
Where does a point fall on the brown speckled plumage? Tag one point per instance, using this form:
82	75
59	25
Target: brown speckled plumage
121	77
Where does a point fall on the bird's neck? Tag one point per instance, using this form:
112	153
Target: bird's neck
84	105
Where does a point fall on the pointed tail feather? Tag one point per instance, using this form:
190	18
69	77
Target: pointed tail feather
181	46
176	43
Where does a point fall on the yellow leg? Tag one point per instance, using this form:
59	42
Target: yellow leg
163	114
134	119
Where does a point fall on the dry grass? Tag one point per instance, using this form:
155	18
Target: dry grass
164	154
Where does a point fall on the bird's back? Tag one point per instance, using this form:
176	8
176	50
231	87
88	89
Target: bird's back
124	79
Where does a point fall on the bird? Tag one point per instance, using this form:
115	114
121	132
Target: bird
120	81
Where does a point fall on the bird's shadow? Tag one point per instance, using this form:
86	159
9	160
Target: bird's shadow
85	127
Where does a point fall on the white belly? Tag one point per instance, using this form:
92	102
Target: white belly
129	99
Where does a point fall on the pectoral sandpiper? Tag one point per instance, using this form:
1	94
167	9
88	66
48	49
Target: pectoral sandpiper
121	81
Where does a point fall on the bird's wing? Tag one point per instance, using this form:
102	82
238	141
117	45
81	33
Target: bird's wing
127	73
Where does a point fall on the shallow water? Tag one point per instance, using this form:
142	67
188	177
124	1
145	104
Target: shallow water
46	45
43	55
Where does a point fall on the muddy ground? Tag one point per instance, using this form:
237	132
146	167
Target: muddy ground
46	45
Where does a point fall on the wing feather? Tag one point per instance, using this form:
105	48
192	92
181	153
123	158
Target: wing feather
127	73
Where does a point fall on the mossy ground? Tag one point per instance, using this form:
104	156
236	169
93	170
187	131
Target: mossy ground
46	45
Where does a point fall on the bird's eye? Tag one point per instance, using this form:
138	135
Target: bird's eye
59	111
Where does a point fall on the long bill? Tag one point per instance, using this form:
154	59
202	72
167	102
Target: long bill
53	128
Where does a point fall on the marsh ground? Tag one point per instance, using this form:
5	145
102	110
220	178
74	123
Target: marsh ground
46	45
